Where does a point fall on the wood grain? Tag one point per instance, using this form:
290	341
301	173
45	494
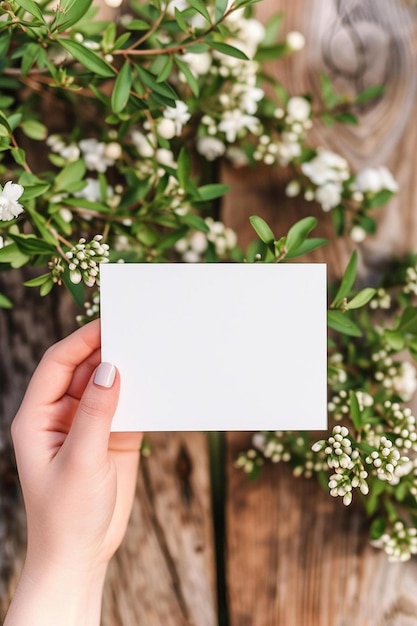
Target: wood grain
294	555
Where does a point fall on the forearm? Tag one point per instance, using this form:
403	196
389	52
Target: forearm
46	596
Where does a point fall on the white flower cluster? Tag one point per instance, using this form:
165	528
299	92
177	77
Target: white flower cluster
92	309
336	369
373	180
97	155
271	446
403	424
249	461
411	280
193	247
349	473
328	171
84	259
312	463
386	459
381	300
173	119
400	543
9	205
400	378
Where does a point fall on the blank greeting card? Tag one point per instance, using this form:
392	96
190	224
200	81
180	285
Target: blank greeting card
216	346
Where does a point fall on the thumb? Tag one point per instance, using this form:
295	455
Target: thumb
90	429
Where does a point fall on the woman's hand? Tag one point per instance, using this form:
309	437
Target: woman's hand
78	481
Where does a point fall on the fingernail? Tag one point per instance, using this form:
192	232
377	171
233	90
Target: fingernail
105	375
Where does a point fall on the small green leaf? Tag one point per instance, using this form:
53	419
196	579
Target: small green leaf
380	198
370	94
5	303
307	246
19	155
408	321
361	298
182	23
88	58
355	412
46	287
194	221
73	13
394	339
343	324
330	97
183	168
347	280
166	69
262	229
200	7
30	245
346	118
72	172
34	130
191	80
225	48
38	281
121	89
33	8
299	232
377	528
210	192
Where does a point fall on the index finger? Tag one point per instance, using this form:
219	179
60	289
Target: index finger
54	373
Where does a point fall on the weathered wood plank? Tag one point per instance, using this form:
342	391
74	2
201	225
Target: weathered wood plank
294	555
164	572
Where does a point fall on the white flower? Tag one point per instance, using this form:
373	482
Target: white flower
210	147
376	179
249	98
327	166
405	383
143	144
235	121
9	205
92	191
94	155
251	33
178	114
199	64
166	128
113	151
165	157
358	234
329	195
295	40
298	109
292	189
69	153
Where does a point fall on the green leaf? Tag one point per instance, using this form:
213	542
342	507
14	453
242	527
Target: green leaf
330	97
369	94
77	291
347	280
221	6
194	221
43	228
355	412
183	168
5	303
72	172
34	129
5	39
200	7
343	324
346	118
46	287
191	79
72	13
38	281
33	8
149	80
166	69
88	58
361	298
182	23
210	192
262	229
30	245
380	198
307	246
272	29
121	89
299	232
408	321
394	339
377	528
11	254
268	53
225	48
19	155
34	191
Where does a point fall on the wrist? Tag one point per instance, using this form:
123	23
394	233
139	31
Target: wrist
48	595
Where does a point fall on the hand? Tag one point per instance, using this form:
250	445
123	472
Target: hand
78	480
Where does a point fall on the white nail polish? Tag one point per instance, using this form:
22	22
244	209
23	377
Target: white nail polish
105	375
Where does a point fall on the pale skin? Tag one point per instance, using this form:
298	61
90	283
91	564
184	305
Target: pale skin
78	482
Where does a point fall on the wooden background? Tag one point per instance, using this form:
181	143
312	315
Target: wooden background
285	553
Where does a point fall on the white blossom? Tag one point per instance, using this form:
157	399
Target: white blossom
94	155
210	147
328	195
358	234
235	121
298	108
373	180
9	205
295	40
178	114
199	64
143	144
325	167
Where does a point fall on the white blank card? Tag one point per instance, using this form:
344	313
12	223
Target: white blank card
216	346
